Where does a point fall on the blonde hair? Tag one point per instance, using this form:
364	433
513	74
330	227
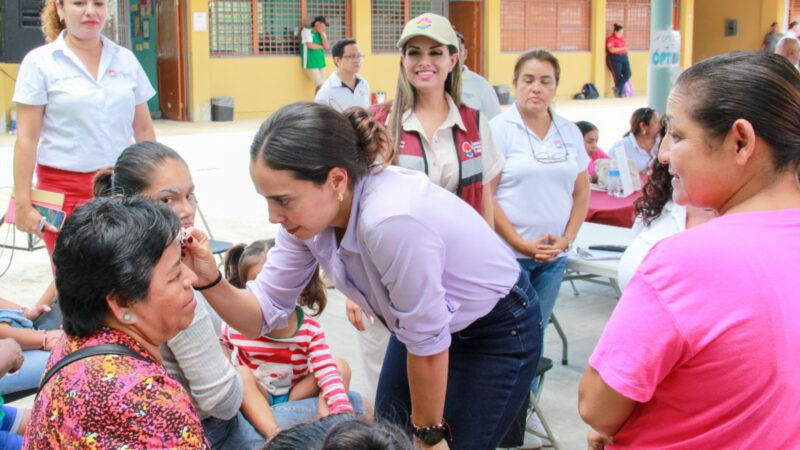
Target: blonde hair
52	25
406	96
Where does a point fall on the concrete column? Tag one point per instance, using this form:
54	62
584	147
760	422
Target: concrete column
598	45
687	32
661	75
199	63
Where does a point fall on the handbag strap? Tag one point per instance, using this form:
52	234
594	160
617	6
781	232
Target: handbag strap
94	350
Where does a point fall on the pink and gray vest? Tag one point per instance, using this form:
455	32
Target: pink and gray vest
411	155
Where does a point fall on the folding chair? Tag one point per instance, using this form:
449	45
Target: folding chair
544	365
563	336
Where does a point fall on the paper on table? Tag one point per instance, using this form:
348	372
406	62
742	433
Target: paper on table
596	255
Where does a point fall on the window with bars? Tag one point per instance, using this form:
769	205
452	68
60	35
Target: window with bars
557	25
390	16
271	27
794	11
634	16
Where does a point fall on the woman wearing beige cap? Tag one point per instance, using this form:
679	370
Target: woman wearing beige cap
432	130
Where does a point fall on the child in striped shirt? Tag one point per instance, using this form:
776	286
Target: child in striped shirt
290	363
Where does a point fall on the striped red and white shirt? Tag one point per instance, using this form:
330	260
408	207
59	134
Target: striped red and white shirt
279	363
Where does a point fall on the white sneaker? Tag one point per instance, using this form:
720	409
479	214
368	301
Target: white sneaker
534	426
531	442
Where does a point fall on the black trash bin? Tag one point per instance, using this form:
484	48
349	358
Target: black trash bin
221	109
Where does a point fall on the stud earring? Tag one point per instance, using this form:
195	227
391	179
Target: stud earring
340	197
127	317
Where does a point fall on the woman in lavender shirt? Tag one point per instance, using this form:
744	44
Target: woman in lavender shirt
466	326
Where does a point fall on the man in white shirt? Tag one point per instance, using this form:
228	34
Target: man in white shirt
476	92
789	48
345	88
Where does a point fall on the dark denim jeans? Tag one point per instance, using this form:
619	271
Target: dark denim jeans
546	279
621	68
492	363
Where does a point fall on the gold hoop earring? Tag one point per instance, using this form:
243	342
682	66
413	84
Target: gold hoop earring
340	197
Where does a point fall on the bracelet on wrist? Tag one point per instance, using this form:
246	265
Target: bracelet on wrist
210	285
434	434
44	339
569	242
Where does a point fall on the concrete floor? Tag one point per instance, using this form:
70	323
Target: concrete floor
217	154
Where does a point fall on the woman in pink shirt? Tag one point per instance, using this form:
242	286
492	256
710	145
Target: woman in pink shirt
590	138
701	351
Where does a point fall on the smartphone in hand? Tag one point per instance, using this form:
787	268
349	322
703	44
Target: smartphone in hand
52	216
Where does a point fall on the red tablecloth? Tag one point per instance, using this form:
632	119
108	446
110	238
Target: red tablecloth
609	210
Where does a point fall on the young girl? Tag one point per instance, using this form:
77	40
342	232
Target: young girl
590	138
289	363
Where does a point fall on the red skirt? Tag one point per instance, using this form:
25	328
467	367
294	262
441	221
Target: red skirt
76	187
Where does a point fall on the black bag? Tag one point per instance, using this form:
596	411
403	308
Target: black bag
589	91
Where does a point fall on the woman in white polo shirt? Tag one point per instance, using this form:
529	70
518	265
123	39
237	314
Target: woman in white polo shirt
641	142
543	193
81	99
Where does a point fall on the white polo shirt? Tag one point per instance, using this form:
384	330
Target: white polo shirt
443	165
87	122
478	94
338	95
634	152
536	196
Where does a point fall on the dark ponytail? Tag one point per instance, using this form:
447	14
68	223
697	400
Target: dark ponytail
639	117
101	183
314	296
240	258
232	258
133	169
310	139
373	139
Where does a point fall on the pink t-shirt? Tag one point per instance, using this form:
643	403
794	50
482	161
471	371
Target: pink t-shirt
598	154
707	338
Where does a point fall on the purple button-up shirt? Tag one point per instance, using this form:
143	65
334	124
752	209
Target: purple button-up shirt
415	256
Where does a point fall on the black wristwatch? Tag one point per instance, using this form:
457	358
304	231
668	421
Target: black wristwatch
431	435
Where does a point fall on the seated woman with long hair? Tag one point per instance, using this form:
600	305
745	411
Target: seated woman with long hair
121	282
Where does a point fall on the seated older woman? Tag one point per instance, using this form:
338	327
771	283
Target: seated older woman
122	286
194	356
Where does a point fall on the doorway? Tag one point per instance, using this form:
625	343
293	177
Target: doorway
467	18
171	65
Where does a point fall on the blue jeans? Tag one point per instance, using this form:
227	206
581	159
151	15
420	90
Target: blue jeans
50	320
546	279
9	428
237	433
491	365
28	376
303	411
621	69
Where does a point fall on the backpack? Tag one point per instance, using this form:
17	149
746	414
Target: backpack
589	91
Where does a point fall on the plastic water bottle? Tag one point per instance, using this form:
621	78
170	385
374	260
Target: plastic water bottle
614	180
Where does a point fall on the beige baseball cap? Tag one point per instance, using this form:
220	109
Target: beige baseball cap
429	25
